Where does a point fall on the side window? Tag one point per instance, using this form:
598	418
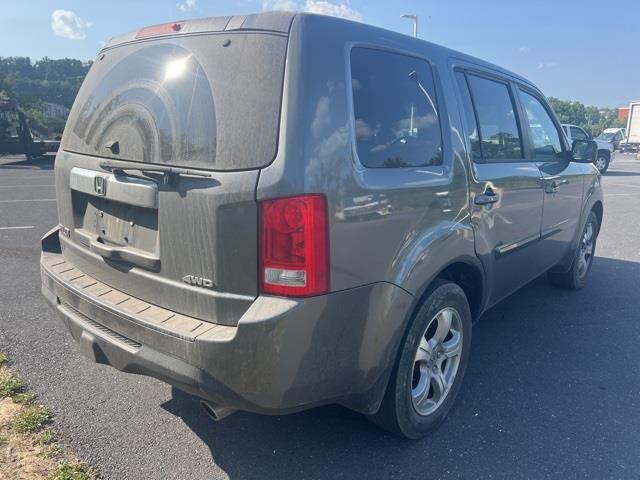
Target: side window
469	118
578	134
544	134
499	134
395	109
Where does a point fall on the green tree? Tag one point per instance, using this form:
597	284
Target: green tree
594	120
32	84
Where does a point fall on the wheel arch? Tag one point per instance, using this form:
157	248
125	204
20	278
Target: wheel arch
468	274
593	204
605	152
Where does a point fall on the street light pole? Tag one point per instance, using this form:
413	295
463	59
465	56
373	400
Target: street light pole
415	34
413	17
415	22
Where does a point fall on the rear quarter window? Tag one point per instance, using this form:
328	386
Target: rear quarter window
395	110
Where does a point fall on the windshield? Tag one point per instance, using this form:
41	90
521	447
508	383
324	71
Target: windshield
606	136
206	101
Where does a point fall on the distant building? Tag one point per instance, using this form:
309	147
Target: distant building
55	110
623	113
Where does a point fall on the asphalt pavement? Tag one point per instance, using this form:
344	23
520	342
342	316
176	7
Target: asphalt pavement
552	389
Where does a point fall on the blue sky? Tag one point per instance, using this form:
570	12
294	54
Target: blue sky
578	50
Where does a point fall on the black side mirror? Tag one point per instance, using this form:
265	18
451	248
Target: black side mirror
584	151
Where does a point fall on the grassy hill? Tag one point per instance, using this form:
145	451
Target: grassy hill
34	83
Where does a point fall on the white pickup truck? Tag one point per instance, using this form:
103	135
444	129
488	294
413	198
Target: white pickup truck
615	136
605	149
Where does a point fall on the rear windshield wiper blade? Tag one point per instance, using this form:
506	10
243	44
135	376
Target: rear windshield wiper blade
166	172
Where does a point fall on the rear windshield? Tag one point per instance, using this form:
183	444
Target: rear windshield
207	101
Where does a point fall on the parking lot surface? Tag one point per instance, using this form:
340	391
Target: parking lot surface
552	389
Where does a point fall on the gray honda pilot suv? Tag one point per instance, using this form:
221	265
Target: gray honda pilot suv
279	211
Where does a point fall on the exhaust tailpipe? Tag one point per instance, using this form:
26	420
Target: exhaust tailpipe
216	412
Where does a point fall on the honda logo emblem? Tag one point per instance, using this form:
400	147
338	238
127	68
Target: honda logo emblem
100	185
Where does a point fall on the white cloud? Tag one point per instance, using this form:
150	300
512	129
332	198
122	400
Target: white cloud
547	65
67	24
288	5
322	7
524	49
341	10
186	5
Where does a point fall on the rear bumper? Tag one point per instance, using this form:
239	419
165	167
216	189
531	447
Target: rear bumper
284	355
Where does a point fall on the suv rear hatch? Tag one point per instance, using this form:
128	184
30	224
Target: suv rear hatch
159	162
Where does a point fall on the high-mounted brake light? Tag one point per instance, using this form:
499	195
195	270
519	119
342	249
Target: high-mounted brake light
294	246
164	29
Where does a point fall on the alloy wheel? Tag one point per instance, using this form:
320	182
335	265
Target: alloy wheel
436	361
601	163
585	255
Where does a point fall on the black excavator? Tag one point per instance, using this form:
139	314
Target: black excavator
16	137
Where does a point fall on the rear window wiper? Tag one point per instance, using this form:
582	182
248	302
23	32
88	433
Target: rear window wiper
168	173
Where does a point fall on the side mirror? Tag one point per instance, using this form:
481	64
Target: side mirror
584	151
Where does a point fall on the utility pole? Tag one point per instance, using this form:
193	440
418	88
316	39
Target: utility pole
415	22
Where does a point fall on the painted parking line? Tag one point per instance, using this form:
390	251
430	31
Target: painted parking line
22	186
619	184
35	177
29	200
24	227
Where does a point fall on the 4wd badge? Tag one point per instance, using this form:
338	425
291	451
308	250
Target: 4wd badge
197	281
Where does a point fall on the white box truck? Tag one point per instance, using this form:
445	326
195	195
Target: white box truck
632	142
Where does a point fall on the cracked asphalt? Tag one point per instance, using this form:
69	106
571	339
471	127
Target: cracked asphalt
552	389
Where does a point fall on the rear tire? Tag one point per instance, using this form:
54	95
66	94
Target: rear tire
576	277
431	364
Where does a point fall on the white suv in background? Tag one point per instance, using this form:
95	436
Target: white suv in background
605	149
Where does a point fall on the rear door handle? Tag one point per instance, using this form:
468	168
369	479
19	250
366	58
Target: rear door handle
486	198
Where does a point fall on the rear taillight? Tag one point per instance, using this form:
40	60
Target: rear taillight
294	246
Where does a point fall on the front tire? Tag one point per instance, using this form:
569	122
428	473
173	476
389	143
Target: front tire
602	162
576	277
431	364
